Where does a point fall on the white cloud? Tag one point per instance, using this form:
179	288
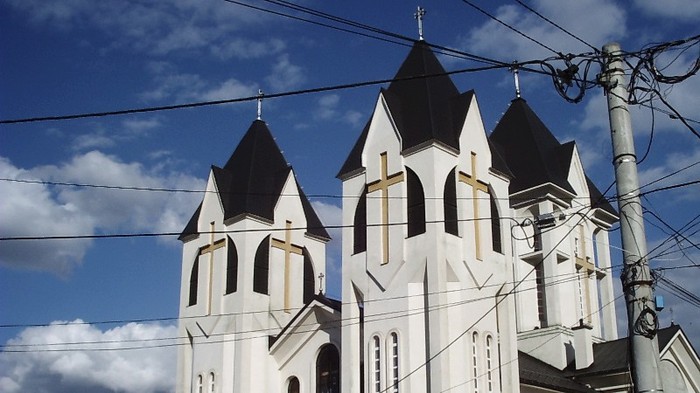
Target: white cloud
674	162
155	27
192	87
231	88
54	363
687	10
328	110
41	210
285	75
32	210
495	40
248	49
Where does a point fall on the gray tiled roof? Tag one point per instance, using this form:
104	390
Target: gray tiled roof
538	373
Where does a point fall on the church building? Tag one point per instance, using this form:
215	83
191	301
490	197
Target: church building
470	262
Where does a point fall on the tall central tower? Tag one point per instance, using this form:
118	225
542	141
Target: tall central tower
424	266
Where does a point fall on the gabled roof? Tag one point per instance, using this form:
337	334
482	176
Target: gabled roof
530	150
538	373
252	180
333	304
613	356
598	200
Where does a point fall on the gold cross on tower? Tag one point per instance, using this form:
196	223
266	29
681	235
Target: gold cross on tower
288	249
209	249
585	268
383	184
477	185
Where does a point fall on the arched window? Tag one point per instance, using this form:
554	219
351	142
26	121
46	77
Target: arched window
212	383
449	201
416	204
495	226
293	386
194	278
328	370
231	267
309	277
394	363
376	364
359	229
261	267
489	363
475	361
200	381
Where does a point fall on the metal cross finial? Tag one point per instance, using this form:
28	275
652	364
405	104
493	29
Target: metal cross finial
420	13
320	282
260	98
516	77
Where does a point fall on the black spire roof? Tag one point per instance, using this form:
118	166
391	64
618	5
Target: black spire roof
424	103
421	106
535	156
252	180
531	151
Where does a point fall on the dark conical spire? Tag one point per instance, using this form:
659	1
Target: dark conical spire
251	182
420	99
530	149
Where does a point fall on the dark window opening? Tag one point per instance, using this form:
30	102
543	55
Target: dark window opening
231	267
328	370
309	278
194	278
449	200
416	204
261	267
496	241
360	225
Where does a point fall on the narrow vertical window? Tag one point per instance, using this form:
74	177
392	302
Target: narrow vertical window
231	267
541	296
394	363
489	363
475	361
194	278
212	383
261	267
449	201
377	372
200	381
309	277
495	226
359	229
415	204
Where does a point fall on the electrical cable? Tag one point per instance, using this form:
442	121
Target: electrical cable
557	26
476	7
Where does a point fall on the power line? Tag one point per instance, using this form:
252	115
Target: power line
556	25
563	278
243	99
468	2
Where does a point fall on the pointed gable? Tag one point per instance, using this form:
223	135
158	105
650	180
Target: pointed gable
531	151
252	180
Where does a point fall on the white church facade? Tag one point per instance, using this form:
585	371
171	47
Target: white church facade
470	262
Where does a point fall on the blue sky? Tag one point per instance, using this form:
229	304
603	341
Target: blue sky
77	56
